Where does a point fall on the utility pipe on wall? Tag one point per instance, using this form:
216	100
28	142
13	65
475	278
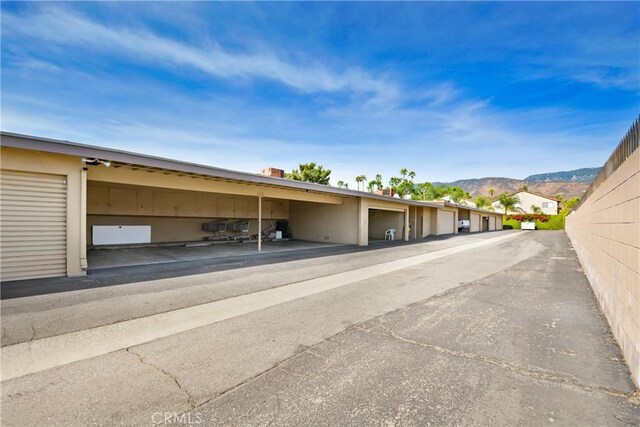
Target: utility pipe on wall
259	223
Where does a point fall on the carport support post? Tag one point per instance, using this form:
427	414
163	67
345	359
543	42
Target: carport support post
83	219
406	224
259	222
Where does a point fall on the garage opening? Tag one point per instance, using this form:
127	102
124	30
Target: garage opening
464	220
386	224
125	214
128	216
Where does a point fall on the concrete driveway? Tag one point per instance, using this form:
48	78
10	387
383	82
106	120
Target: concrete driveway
498	328
120	257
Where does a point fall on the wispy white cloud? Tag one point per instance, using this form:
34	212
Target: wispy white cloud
56	25
364	121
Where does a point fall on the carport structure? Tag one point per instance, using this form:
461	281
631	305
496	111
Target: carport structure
480	219
56	194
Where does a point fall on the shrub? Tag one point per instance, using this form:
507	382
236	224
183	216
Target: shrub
555	222
550	222
530	217
510	223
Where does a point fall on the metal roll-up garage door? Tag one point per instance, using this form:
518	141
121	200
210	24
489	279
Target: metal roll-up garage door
33	227
445	222
475	223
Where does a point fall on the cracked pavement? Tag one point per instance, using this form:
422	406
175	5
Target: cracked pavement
503	335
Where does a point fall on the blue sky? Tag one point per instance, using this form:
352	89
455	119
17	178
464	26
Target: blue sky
450	90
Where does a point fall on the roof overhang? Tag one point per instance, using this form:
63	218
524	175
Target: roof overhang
131	159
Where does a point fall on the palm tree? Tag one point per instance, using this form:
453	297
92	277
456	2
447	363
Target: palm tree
375	183
359	179
342	184
492	191
508	202
536	209
482	202
424	191
560	200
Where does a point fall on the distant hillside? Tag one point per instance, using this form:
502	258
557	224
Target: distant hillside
570	183
509	185
578	175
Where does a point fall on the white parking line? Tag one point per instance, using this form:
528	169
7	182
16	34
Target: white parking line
39	355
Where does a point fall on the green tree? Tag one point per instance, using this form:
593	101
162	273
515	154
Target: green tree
343	184
492	191
560	200
424	191
482	202
523	187
310	172
457	194
404	185
427	191
568	205
375	183
361	179
508	202
536	209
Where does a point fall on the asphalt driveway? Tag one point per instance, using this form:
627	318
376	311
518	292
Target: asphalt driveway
494	329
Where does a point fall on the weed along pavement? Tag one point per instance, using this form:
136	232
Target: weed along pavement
486	329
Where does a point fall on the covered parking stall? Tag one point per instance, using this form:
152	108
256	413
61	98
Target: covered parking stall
61	199
64	200
198	209
464	215
387	223
480	219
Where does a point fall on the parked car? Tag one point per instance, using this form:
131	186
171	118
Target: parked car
463	224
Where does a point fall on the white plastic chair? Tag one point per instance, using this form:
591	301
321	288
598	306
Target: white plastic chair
390	233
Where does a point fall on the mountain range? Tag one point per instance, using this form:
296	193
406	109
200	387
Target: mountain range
570	183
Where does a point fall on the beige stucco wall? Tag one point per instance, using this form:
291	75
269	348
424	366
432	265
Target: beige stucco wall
605	232
14	159
427	215
325	223
528	199
415	224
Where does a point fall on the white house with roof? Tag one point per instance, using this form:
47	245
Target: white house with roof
528	199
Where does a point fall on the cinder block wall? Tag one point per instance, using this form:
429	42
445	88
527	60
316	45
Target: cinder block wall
605	232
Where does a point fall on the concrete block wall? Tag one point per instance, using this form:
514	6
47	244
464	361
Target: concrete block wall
605	233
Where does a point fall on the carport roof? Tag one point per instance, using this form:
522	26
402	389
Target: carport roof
128	158
470	208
